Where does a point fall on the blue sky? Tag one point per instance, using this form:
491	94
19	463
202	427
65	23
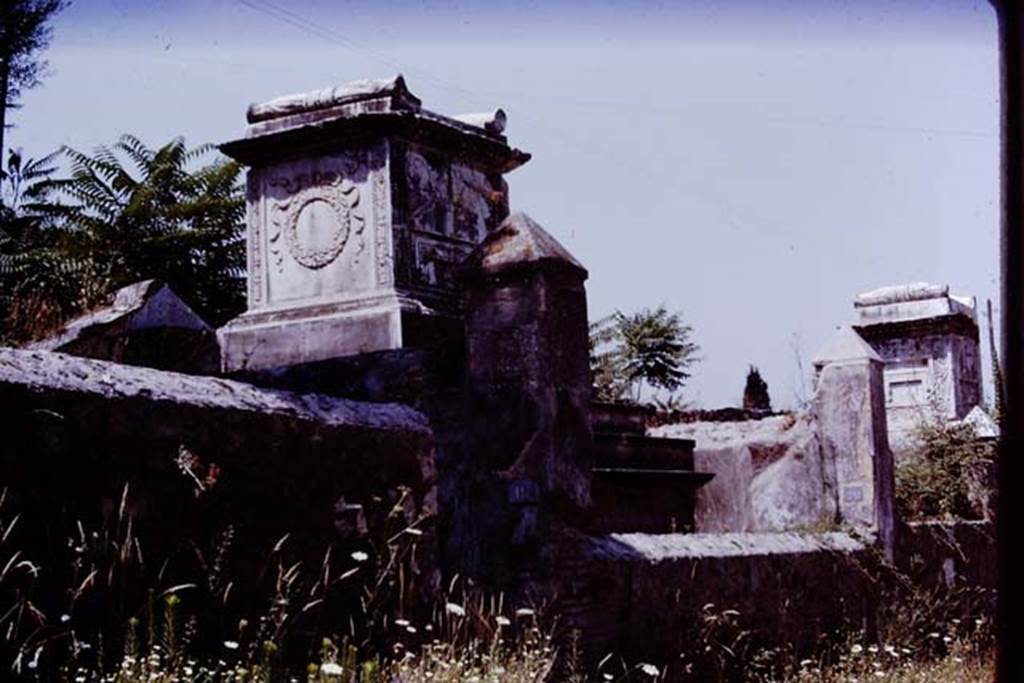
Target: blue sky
754	166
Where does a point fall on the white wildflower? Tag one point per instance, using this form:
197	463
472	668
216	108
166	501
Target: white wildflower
65	618
457	610
231	645
401	622
857	649
331	669
359	556
650	670
410	629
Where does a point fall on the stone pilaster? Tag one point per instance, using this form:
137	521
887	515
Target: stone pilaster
528	390
849	407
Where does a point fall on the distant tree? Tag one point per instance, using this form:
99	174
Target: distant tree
755	394
129	213
24	33
650	348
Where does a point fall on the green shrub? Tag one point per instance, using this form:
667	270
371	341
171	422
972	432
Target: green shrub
944	476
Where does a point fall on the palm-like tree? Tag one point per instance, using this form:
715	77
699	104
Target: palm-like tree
128	213
651	348
155	219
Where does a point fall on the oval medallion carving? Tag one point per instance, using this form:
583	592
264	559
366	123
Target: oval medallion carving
318	227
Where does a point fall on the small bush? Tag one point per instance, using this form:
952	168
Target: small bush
943	476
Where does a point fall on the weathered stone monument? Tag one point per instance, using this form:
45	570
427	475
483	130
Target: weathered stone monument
849	408
360	206
415	358
928	340
528	386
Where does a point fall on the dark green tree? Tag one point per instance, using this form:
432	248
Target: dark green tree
24	33
647	348
36	286
755	393
128	213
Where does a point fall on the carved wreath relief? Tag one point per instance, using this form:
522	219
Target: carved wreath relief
318	217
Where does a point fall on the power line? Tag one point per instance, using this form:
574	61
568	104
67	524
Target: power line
729	209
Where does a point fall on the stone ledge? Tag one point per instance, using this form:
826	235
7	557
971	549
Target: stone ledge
42	371
668	547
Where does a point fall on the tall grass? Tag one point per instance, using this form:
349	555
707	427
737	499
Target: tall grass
113	614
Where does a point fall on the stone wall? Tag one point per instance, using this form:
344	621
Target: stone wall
824	468
786	588
647	597
770	474
202	454
953	554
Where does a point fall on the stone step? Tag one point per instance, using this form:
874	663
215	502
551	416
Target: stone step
621	450
619	417
653	501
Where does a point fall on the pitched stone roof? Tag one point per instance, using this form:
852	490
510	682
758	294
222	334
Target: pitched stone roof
845	345
520	240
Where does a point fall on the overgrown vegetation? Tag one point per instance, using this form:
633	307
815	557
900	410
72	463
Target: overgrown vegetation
115	614
124	214
947	475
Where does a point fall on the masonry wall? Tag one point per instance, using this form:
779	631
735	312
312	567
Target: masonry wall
785	588
195	460
954	554
647	597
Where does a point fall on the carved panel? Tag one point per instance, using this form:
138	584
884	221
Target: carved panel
473	201
382	229
436	262
315	219
427	196
254	220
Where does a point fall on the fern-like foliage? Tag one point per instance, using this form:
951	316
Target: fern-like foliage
647	348
122	214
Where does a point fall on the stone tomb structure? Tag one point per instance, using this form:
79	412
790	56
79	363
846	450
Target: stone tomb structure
405	333
360	206
928	339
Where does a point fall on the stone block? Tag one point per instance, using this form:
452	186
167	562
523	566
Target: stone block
361	206
849	408
201	454
145	324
